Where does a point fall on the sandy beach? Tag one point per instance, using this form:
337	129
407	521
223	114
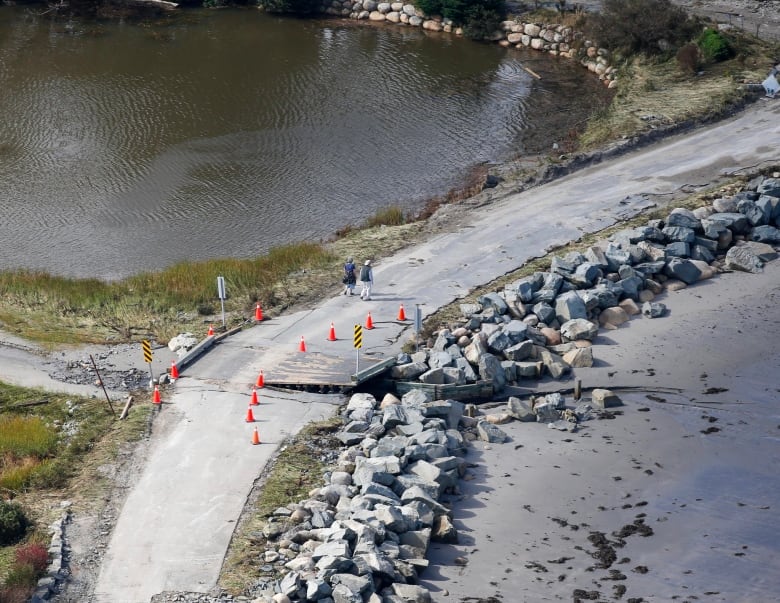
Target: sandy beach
672	500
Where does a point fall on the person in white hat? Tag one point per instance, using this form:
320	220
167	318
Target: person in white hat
366	280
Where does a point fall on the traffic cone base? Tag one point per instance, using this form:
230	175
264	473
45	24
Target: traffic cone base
260	380
258	313
254	401
369	322
250	416
255	437
401	313
156	396
302	345
332	333
174	370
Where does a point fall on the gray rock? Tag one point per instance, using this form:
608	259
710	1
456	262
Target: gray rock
516	330
653	309
765	234
578	328
488	432
520	409
568	306
520	351
410	593
490	369
682	269
465	367
495	301
498	341
744	259
544	312
679	233
444	530
604	398
554	364
677	249
758	214
546	411
408	372
681	217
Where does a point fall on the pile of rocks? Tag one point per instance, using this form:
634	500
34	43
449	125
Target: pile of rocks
554	39
364	535
545	323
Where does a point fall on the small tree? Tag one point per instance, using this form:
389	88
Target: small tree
688	58
714	46
13	523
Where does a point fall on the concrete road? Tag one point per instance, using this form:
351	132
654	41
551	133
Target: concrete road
175	527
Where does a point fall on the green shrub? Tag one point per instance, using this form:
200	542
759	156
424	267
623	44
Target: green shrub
430	7
642	26
714	46
13	523
482	20
479	18
296	7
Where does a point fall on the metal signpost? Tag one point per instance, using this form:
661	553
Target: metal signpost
147	349
417	326
222	296
358	343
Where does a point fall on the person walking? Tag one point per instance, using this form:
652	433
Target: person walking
349	279
366	280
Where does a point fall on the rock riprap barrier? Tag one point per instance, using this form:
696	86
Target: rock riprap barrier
544	324
552	38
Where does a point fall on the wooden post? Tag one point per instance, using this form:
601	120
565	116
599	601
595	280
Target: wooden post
127	407
578	389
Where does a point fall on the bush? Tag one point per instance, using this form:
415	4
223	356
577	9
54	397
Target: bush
22	575
33	554
296	7
479	18
13	523
642	26
714	46
688	58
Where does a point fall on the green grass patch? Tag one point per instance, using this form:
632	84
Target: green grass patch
26	436
295	471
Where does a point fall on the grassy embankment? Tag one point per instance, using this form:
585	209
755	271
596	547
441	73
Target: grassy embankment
78	437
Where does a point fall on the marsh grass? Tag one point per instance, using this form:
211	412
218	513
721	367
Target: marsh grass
53	310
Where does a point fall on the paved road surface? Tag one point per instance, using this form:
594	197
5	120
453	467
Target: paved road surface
175	527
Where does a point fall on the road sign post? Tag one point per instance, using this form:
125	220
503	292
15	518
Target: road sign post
222	296
147	351
358	343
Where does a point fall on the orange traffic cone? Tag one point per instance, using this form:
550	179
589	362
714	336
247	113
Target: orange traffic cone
211	331
258	313
250	417
260	380
156	396
302	345
369	322
401	313
174	370
254	401
255	437
332	333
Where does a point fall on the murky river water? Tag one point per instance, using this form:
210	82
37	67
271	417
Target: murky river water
130	146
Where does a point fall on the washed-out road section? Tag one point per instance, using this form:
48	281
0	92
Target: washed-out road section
175	527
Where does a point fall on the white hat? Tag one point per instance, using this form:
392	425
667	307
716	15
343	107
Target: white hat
368	262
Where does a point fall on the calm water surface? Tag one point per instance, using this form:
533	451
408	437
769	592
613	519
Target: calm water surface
130	146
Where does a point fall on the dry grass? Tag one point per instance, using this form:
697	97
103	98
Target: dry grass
653	94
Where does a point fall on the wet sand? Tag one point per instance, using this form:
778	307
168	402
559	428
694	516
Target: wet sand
672	500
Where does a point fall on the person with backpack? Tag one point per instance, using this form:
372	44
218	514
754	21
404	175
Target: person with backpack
366	280
349	279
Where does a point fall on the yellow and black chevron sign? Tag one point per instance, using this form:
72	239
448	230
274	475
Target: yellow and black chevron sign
358	342
147	347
